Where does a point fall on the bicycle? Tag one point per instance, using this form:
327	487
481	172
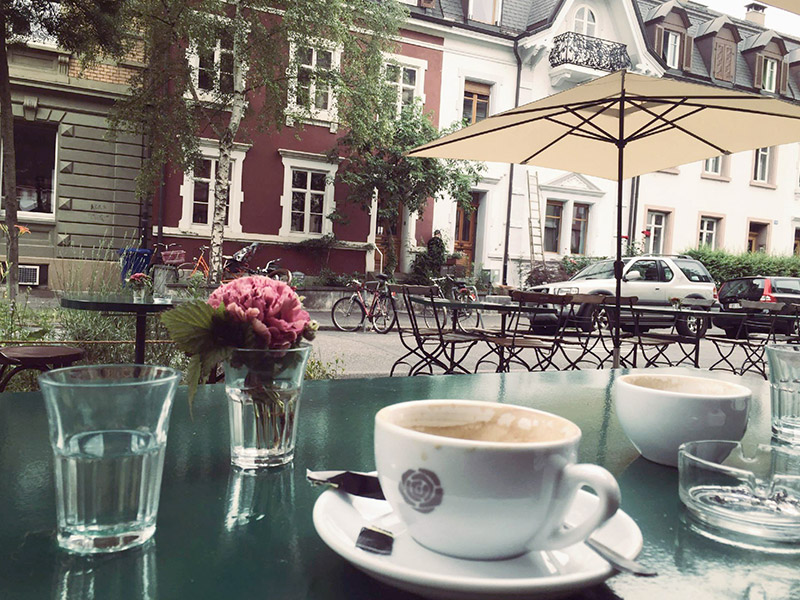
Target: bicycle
238	265
459	291
200	265
348	313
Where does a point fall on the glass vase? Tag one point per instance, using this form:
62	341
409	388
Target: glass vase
138	295
263	388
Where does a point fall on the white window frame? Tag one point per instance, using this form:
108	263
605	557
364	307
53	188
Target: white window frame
657	231
585	21
326	117
408	62
762	165
713	166
769	77
672	44
307	161
498	11
27	215
209	149
709	227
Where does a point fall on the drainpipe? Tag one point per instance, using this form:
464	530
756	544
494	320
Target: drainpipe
511	169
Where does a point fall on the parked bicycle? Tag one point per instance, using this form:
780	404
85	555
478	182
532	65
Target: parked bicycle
349	313
460	291
238	265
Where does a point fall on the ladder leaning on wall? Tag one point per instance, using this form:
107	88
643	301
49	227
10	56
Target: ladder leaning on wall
535	220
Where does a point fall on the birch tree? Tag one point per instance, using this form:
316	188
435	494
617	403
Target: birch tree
167	105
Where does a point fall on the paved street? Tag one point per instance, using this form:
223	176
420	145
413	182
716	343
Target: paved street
368	354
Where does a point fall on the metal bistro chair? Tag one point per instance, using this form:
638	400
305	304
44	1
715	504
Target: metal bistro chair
630	341
689	345
518	335
15	359
757	328
429	347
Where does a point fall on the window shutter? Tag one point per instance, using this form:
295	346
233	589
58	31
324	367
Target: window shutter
729	68
758	76
688	46
658	41
783	79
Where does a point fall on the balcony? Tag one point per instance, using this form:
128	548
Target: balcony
576	58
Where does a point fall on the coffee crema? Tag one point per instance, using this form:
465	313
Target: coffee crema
504	426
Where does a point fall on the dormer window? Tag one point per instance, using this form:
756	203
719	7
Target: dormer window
585	21
671	52
770	75
485	11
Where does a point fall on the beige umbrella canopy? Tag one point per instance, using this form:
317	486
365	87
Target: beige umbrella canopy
790	5
623	125
665	123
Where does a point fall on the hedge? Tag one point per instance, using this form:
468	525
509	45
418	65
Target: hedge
723	265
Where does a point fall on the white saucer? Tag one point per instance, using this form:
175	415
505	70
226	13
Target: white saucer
339	518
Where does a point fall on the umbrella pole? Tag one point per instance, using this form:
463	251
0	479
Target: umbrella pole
615	334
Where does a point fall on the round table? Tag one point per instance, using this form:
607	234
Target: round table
120	304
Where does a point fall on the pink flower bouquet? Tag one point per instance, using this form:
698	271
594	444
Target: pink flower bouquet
249	313
138	281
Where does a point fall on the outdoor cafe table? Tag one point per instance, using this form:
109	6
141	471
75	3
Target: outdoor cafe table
121	304
222	535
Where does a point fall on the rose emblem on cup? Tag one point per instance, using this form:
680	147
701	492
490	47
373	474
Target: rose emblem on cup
421	490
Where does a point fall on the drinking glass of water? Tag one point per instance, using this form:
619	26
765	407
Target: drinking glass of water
108	429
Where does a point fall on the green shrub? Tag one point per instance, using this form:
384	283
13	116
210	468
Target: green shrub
723	265
573	264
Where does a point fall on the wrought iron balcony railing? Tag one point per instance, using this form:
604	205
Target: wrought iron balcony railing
586	51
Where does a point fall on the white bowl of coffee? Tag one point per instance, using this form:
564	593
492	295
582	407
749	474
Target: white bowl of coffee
661	411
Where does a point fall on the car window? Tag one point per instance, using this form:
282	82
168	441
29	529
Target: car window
742	289
694	270
599	270
648	269
786	286
666	272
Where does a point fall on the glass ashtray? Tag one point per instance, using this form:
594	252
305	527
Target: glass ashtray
756	496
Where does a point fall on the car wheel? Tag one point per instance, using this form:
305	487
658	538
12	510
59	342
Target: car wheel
692	326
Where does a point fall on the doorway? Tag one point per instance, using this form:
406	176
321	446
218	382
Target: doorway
464	238
757	237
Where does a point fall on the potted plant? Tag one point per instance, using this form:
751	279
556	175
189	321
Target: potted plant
139	283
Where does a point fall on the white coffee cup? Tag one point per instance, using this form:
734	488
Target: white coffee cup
494	497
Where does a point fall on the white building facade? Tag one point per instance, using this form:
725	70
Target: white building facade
502	53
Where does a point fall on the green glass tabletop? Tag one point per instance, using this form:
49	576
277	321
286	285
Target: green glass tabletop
113	303
226	535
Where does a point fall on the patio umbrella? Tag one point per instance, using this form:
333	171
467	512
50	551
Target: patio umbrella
790	5
623	125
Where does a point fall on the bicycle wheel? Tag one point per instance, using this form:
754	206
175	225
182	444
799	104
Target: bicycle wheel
347	314
429	317
384	317
467	318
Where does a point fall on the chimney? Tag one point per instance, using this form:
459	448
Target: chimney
755	13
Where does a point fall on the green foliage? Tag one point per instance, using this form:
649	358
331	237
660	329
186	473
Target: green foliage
378	163
723	265
540	274
316	368
573	264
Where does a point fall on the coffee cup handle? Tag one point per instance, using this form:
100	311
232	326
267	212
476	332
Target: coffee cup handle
573	478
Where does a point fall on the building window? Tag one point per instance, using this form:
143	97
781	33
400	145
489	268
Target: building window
656	232
769	75
585	22
713	166
485	11
476	101
672	49
197	190
762	165
204	177
35	148
312	89
552	226
580	224
213	67
757	235
308	195
709	227
405	75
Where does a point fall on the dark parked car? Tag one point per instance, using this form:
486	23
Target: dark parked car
757	289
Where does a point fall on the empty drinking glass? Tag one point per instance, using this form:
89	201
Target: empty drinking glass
108	429
784	379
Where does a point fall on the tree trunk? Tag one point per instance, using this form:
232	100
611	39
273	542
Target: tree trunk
10	202
238	106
